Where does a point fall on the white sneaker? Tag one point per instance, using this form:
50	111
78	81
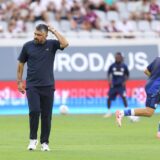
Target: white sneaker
45	147
32	144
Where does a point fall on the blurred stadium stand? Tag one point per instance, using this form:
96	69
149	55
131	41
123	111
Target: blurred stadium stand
82	18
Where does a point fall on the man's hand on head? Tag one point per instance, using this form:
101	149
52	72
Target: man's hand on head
51	29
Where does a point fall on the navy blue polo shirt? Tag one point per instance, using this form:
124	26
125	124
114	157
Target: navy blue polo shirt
119	71
153	84
40	62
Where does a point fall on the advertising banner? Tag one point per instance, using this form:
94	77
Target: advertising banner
85	62
80	96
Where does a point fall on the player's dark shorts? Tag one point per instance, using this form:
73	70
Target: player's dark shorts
117	90
40	98
152	100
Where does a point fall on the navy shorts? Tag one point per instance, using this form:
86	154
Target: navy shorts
40	98
152	100
118	90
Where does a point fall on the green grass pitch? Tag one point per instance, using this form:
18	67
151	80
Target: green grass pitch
83	137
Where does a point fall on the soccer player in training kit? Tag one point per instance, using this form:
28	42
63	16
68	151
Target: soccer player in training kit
39	55
118	73
152	89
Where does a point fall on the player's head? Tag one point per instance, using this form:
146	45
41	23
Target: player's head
118	57
40	33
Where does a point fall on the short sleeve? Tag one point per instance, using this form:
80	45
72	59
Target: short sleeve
23	55
56	45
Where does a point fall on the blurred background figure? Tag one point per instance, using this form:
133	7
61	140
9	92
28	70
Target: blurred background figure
142	10
38	11
84	15
77	15
118	74
154	10
111	27
91	20
64	12
126	28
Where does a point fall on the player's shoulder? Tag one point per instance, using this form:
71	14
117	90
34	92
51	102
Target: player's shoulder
157	59
28	43
123	64
53	43
113	64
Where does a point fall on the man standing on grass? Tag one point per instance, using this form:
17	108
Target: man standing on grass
39	55
118	74
152	89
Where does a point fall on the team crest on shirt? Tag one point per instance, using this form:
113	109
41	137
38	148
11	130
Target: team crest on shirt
118	71
47	49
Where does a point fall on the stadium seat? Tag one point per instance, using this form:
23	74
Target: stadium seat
155	25
4	25
144	26
55	24
51	16
124	15
65	25
134	25
29	26
101	15
121	6
131	6
112	15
